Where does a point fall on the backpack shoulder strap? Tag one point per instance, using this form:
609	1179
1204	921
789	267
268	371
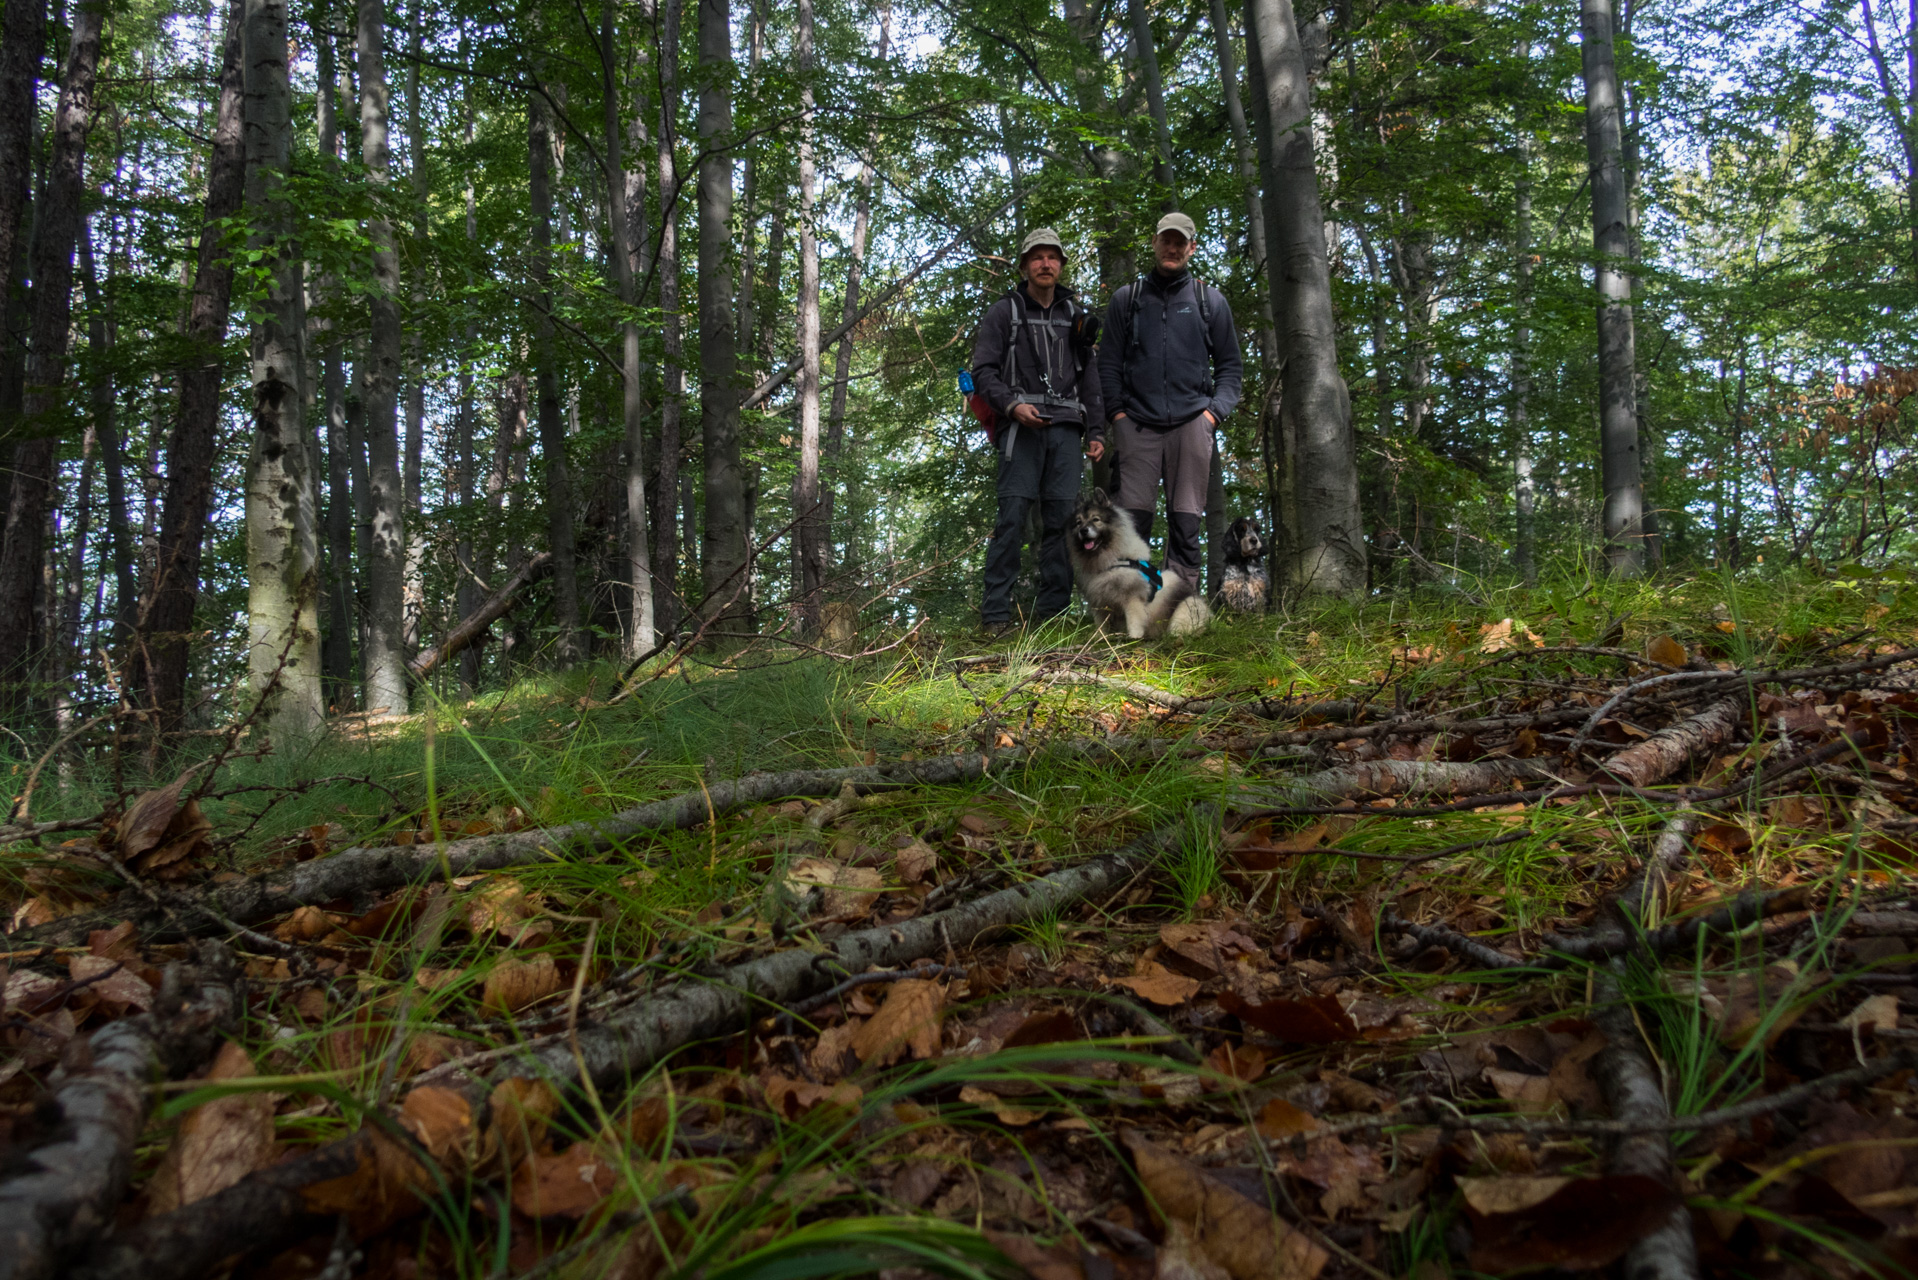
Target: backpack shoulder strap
1205	313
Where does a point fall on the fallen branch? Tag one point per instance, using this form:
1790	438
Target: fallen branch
265	1209
66	1192
476	622
1668	750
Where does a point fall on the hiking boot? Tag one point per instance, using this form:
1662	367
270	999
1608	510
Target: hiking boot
997	630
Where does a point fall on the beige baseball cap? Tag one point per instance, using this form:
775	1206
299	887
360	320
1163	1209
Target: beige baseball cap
1180	223
1040	238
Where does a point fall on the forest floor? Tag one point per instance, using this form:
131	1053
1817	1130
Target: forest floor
1460	935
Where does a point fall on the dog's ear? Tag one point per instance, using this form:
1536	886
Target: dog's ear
1099	497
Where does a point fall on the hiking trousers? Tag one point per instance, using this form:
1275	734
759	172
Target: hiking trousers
1179	456
1043	471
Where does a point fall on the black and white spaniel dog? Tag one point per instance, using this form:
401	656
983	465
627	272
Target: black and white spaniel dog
1244	586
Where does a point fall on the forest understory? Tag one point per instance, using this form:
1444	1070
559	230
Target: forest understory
1567	932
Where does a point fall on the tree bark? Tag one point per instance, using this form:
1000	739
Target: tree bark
1316	411
806	539
336	648
157	668
466	595
1249	180
472	626
639	568
413	592
723	539
106	429
855	275
23	34
384	655
282	534
23	624
1148	57
672	371
1525	492
1619	462
1661	755
549	413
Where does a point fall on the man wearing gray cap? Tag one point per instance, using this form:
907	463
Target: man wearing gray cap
1033	362
1170	371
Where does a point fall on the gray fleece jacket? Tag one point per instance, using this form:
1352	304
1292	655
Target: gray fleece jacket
1160	377
1044	362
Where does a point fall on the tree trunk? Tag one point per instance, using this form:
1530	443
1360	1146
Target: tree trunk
1148	57
23	34
749	195
639	569
106	429
549	412
157	668
466	594
672	372
1249	180
855	272
66	657
336	649
384	655
1525	495
1316	411
806	540
1623	517
413	592
57	226
723	540
282	535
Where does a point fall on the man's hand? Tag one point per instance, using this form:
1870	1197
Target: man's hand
1095	449
1212	421
1027	414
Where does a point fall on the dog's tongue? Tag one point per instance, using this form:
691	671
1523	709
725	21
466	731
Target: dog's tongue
1092	544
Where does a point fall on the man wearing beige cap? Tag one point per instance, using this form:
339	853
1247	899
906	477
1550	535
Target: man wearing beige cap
1033	362
1170	370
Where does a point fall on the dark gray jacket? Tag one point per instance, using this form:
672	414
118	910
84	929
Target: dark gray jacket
1159	377
1044	365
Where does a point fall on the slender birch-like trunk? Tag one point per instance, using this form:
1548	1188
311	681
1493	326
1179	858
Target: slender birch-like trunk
639	569
24	625
1147	54
282	533
385	650
467	596
1525	489
549	413
336	649
672	371
1622	521
1316	411
106	431
413	590
806	540
157	668
723	539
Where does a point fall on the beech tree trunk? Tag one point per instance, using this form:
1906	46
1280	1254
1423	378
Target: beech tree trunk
1329	556
413	592
1248	179
855	274
23	624
672	370
1147	54
466	595
639	569
1525	489
1619	462
106	429
548	411
723	539
336	648
384	654
282	527
806	540
161	652
23	34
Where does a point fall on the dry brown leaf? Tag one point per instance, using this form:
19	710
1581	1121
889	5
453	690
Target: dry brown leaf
109	983
844	892
908	1021
218	1143
1280	1119
520	1109
513	984
184	836
1666	650
1509	1195
566	1185
1006	1113
442	1121
795	1098
1207	945
832	1055
916	862
1247	1240
117	943
1528	1094
504	907
145	822
1240	1065
1159	985
307	924
1878	1012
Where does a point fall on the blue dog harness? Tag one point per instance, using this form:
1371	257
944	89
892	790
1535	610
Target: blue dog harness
1153	578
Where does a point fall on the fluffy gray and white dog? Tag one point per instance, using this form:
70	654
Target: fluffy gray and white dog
1242	586
1113	565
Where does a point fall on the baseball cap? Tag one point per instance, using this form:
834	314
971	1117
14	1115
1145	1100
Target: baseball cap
1041	237
1180	223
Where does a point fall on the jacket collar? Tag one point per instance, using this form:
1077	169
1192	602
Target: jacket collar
1168	284
1060	293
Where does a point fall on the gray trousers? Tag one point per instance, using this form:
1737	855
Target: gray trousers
1181	456
1043	471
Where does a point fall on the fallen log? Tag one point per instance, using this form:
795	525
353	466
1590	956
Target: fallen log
475	623
266	1209
65	1193
1402	777
1668	750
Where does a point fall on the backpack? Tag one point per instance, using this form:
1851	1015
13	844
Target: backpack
976	401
